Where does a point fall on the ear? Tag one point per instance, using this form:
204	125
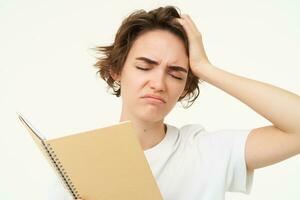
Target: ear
183	93
115	76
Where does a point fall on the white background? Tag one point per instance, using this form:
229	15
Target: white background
47	73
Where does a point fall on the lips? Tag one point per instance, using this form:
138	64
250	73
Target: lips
155	97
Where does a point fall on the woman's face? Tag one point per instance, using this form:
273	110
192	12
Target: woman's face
154	76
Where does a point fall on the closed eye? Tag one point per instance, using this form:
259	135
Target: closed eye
176	77
146	69
175	74
141	68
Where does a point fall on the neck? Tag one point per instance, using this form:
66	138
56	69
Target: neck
148	133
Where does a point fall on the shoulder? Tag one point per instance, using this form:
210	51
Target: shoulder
223	138
187	131
192	129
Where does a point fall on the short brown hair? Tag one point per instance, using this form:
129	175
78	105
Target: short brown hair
137	23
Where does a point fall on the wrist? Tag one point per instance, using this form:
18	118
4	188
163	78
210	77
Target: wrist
204	70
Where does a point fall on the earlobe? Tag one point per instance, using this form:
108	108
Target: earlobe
115	76
183	94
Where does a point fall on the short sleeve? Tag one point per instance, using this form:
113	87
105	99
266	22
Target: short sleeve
238	178
224	152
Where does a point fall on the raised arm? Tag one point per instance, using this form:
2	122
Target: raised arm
265	145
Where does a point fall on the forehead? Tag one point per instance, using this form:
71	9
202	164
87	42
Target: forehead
161	45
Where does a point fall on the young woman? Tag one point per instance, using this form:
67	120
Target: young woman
158	59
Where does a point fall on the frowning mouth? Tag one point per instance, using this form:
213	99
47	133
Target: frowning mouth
154	98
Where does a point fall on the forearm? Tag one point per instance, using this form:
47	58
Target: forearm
280	107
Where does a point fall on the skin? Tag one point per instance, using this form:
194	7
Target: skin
265	145
159	77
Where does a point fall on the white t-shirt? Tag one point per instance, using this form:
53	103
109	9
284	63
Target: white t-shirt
191	163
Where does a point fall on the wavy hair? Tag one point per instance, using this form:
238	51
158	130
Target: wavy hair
137	23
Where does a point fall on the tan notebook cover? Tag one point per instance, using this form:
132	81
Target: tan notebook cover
102	164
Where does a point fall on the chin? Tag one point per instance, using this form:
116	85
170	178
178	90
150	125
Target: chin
151	117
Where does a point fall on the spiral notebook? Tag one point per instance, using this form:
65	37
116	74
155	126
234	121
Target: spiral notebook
106	163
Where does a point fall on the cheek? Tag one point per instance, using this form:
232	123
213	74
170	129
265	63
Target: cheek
130	86
177	91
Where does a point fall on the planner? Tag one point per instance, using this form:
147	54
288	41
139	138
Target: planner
101	164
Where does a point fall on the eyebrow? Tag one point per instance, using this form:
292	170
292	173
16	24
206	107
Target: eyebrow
153	62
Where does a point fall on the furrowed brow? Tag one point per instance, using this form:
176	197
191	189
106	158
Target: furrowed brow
153	62
147	60
178	68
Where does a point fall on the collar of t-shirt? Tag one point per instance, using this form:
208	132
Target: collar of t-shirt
166	145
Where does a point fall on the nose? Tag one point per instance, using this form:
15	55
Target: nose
157	82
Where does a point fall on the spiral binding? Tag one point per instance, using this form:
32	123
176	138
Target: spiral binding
61	171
